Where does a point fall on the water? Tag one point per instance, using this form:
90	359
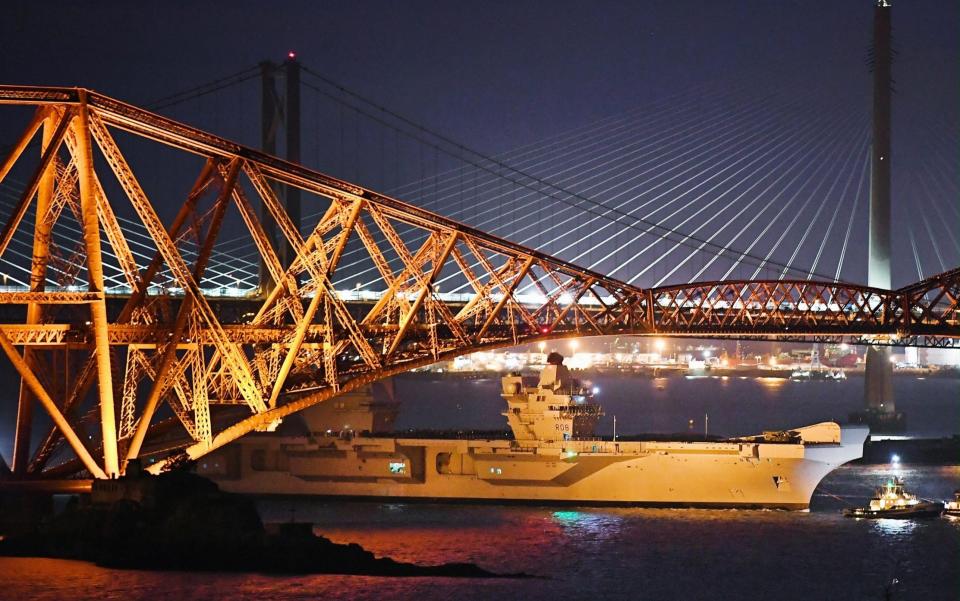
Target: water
736	406
607	553
581	553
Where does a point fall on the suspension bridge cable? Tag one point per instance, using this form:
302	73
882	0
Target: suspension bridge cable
714	133
791	163
836	209
698	177
538	181
718	134
565	209
853	152
820	207
489	200
204	89
824	152
536	198
853	211
419	127
810	196
703	208
798	169
936	206
569	205
689	203
664	152
931	237
939	176
544	151
516	232
933	242
591	233
940	147
916	254
613	147
935	179
574	146
739	157
131	236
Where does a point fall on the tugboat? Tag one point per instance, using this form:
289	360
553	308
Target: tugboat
952	508
893	502
816	372
817	375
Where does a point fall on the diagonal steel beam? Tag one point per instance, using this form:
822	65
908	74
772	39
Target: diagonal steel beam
184	314
87	372
236	359
13	222
507	292
425	289
39	116
30	379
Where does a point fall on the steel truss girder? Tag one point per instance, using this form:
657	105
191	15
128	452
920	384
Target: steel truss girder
306	343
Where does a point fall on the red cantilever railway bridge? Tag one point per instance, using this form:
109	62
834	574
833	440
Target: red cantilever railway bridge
221	376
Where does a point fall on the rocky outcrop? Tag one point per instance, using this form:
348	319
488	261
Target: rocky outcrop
180	521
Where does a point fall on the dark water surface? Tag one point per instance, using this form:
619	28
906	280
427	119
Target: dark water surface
736	406
590	553
582	553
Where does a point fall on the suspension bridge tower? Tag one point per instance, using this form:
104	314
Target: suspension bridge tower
880	411
276	112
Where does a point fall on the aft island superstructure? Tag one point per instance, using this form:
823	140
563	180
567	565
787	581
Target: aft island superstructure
553	458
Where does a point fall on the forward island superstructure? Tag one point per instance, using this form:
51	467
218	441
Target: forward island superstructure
553	458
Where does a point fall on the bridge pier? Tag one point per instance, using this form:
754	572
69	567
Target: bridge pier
881	413
878	386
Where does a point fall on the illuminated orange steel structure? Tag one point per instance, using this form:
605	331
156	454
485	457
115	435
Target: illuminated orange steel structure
167	348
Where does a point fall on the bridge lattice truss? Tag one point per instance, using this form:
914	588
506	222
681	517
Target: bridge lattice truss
106	368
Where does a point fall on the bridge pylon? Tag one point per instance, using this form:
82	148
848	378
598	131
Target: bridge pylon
880	410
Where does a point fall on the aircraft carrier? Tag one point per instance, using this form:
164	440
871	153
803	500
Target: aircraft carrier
553	457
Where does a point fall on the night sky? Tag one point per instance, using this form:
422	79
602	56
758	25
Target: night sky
493	74
496	76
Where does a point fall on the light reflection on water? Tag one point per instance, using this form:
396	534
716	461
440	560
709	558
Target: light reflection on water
583	552
610	553
588	525
772	383
895	527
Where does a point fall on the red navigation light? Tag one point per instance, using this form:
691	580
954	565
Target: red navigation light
544	330
291	55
